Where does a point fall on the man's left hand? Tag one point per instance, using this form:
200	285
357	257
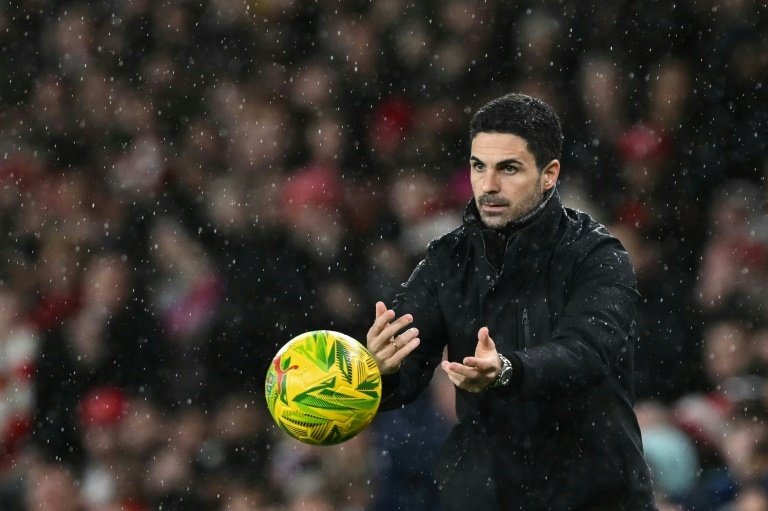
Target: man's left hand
478	372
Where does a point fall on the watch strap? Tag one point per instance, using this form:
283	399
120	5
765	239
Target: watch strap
505	373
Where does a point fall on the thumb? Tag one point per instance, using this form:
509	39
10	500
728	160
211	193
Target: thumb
484	340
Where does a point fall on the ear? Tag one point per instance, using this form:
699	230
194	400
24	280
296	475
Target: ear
550	174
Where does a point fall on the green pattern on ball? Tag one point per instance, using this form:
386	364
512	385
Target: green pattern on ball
323	387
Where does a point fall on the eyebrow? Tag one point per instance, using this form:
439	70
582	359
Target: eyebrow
499	164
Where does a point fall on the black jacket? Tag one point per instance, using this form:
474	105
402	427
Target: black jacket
560	304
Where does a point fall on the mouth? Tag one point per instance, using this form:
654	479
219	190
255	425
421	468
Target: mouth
492	207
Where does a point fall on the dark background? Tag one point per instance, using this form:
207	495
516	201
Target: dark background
186	185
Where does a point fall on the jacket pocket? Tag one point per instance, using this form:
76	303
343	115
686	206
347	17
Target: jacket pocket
526	328
523	326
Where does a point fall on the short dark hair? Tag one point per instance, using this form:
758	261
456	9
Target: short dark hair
529	118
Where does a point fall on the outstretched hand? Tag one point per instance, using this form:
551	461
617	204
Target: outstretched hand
478	372
387	349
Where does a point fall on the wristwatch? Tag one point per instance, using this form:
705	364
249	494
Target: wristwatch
505	373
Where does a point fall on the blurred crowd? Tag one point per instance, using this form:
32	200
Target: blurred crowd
186	185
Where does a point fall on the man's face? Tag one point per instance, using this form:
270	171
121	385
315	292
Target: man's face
505	181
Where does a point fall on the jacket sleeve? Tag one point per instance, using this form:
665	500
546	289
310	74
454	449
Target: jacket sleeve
595	330
418	297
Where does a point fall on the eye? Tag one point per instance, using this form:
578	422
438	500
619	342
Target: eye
476	165
510	169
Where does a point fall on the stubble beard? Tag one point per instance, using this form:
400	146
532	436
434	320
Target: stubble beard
515	211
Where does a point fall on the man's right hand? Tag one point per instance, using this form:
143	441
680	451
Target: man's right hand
387	349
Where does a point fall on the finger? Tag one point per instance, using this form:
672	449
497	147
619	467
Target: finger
453	375
383	315
406	350
384	354
380	322
388	349
403	339
481	364
456	379
390	357
465	371
391	329
484	339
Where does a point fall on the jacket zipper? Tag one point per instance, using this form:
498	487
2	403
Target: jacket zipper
527	455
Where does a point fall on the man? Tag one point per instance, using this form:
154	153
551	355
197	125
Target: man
535	303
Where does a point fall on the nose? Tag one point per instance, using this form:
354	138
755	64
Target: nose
490	181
